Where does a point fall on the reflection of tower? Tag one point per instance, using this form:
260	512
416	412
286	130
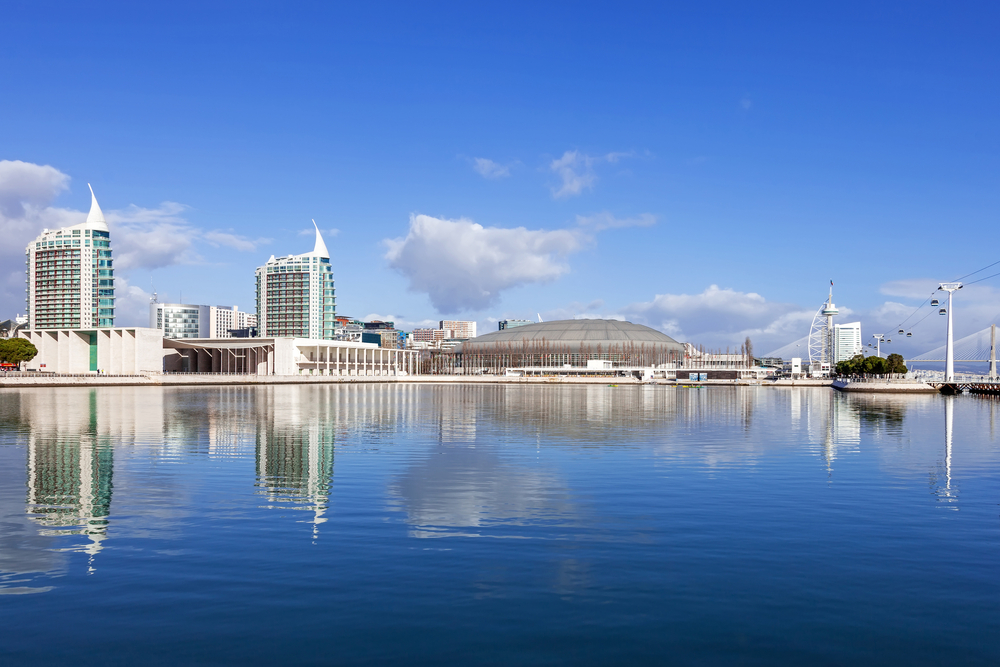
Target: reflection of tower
72	433
947	493
458	414
70	454
295	457
69	488
833	423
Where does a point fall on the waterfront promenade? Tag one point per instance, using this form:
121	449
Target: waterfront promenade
205	379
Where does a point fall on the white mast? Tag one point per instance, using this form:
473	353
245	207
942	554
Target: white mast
949	355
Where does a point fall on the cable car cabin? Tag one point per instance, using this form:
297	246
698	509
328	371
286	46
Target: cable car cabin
935	302
943	311
909	334
901	331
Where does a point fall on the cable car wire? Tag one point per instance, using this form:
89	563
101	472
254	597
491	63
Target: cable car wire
977	271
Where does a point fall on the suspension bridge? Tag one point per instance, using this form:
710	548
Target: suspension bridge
976	347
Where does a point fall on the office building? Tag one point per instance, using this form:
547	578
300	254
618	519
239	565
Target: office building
182	320
846	341
295	295
71	283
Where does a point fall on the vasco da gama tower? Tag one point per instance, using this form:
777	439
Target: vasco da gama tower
295	295
71	282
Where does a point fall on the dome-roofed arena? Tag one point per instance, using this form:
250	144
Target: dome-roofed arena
573	342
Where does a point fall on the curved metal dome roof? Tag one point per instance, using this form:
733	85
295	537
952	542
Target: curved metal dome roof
576	333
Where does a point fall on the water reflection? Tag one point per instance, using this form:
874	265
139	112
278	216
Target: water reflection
23	551
81	455
70	467
471	489
945	492
295	451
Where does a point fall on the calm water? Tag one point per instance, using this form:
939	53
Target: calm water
497	525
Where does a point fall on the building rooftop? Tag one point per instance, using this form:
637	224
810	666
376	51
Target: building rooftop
576	333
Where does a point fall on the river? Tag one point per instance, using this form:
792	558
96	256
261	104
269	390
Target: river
530	525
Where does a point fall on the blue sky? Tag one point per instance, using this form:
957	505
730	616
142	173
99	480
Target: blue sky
705	170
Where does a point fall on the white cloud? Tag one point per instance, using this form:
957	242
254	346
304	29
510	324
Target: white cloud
722	317
131	304
151	238
141	237
489	169
234	241
577	174
614	157
311	232
605	220
462	265
578	310
716	317
26	193
25	186
911	288
576	171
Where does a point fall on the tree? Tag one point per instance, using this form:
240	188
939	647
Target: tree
895	364
862	365
874	366
16	350
852	366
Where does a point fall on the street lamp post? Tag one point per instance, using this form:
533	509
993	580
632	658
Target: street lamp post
949	350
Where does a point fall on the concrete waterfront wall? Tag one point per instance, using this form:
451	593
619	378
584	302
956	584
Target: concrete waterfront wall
885	387
180	379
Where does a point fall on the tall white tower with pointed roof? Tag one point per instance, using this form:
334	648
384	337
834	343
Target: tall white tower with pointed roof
71	282
296	296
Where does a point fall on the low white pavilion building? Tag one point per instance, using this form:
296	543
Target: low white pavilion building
285	356
144	351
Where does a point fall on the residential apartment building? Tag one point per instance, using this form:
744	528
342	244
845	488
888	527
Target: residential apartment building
71	281
458	329
295	295
427	335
